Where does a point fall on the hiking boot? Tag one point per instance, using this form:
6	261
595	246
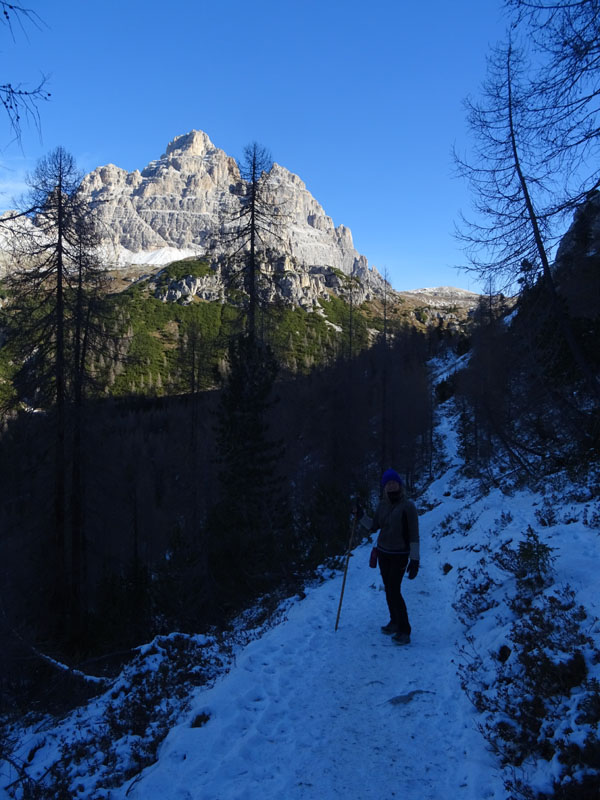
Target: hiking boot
390	628
402	638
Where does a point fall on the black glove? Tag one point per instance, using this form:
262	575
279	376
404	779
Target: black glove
413	569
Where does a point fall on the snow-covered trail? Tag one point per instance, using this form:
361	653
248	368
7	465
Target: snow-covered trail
307	712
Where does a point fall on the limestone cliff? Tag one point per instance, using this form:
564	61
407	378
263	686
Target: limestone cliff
177	205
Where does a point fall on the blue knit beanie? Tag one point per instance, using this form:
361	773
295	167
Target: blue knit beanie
390	475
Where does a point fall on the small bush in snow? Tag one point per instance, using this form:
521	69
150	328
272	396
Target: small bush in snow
538	694
546	516
446	526
530	562
505	519
476	587
591	516
526	700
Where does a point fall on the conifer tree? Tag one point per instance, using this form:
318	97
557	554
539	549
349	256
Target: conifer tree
252	232
53	286
514	183
247	518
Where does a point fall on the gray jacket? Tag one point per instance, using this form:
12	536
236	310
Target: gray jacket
398	526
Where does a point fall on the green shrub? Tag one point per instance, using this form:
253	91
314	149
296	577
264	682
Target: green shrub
195	268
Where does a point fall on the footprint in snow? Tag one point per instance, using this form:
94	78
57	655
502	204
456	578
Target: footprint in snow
403	699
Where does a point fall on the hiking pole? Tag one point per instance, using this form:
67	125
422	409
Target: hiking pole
348	554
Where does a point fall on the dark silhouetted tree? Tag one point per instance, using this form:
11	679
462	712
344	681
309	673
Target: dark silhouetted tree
247	524
252	232
564	87
53	290
514	188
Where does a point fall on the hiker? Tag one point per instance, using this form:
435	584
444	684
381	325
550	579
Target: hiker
397	521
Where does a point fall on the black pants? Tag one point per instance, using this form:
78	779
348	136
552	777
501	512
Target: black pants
392	568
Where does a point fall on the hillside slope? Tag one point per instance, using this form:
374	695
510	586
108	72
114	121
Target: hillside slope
307	712
302	711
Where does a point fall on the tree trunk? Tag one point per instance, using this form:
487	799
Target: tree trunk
557	306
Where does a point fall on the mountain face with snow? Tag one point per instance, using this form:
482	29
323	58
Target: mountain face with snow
177	205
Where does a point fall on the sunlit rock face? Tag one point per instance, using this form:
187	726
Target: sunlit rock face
182	201
181	205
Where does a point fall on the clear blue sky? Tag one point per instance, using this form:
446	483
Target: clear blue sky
362	100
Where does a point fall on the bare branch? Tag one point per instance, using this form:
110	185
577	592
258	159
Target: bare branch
19	103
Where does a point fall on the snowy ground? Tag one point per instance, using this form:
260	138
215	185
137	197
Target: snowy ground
308	712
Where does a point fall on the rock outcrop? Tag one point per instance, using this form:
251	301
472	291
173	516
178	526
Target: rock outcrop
444	297
577	265
282	279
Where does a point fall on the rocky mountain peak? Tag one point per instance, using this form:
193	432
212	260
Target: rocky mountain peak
178	204
194	143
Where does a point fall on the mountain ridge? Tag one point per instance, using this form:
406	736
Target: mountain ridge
180	202
177	207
